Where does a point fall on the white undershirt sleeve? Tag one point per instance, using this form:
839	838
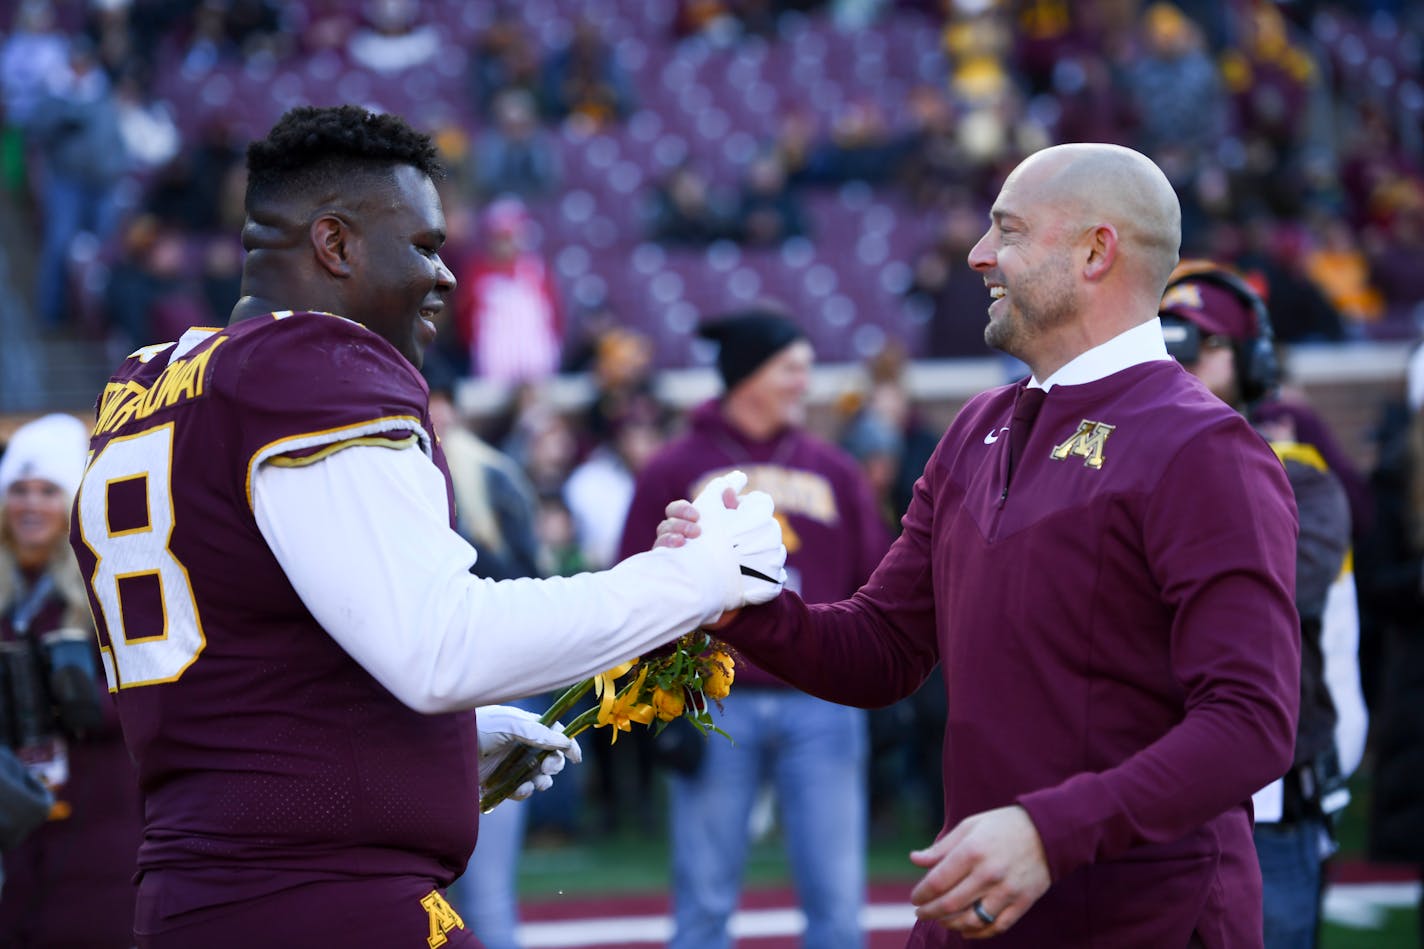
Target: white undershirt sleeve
1340	647
364	538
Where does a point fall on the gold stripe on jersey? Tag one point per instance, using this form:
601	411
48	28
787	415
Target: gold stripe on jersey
301	461
180	380
145	354
1309	455
1300	452
341	434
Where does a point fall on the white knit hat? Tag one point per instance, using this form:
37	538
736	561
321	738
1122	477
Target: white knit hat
54	448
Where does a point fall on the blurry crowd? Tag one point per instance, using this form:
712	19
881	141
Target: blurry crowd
1292	132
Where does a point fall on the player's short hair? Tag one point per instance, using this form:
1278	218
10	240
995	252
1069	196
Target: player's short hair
312	150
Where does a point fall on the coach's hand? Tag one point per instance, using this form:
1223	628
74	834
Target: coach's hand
994	861
501	727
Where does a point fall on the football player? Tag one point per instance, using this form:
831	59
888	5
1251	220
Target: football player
286	615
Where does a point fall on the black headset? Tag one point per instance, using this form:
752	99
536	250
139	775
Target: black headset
1257	370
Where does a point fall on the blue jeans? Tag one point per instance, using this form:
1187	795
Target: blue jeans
814	755
485	896
70	207
1290	856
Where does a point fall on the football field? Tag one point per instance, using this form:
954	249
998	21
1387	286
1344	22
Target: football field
611	890
1369	908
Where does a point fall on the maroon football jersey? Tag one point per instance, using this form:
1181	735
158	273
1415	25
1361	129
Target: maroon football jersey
267	756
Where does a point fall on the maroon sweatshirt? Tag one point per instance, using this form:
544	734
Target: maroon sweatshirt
830	523
1119	643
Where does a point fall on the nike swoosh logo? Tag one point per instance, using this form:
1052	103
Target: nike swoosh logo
993	435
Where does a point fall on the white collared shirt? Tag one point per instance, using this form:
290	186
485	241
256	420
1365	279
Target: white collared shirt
1142	343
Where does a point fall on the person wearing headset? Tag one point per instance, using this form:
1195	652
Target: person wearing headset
1218	327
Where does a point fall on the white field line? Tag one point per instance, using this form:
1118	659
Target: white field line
1356	905
657	930
1364	905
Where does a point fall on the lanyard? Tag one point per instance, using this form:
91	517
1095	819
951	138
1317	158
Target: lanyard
28	605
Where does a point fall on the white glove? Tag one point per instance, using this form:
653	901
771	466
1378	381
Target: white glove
752	533
502	727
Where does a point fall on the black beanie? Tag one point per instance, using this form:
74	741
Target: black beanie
747	340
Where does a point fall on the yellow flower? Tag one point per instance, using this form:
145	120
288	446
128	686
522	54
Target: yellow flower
624	710
717	680
667	705
604	688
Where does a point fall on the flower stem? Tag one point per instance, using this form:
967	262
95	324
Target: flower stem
523	761
566	701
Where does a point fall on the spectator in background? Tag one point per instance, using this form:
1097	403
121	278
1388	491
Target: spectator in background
769	212
392	40
1043	32
1174	87
1395	256
201	187
599	491
516	156
1271	80
494	502
1336	264
227	30
558	539
684	211
1179	108
24	803
151	137
76	134
34	52
1392	577
153	292
811	752
1222	340
949	289
622	371
935	170
723	22
876	443
1274	258
508	315
545	444
861	147
891	420
70	884
584	81
503	58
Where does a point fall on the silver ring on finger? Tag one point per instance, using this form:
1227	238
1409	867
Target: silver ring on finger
985	917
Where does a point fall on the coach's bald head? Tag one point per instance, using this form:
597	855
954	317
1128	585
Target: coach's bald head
1082	240
1099	183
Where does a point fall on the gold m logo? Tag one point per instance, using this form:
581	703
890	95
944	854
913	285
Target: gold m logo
443	918
1086	442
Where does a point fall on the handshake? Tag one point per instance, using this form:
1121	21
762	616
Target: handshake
738	560
722	522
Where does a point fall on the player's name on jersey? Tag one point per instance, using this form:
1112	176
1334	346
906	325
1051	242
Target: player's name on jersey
181	380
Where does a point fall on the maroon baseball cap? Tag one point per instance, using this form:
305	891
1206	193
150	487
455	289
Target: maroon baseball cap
1214	309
